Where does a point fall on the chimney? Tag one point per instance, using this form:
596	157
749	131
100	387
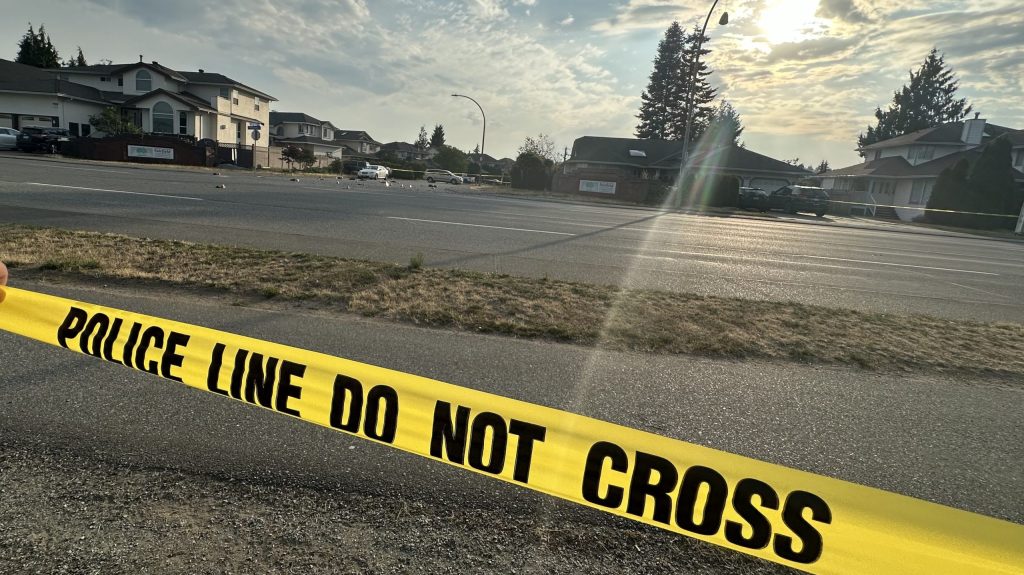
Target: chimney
973	131
140	58
155	63
201	71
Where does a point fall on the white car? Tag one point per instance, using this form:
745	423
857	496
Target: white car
441	176
373	173
8	138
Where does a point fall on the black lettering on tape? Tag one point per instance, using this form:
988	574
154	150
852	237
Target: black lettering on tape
71	326
714	504
527	433
591	488
173	358
347	409
793	517
448	438
643	485
238	374
213	375
381	395
259	382
286	389
478	442
108	343
98	323
347	392
153	336
129	346
742	502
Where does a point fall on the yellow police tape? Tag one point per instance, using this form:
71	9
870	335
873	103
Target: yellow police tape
792	517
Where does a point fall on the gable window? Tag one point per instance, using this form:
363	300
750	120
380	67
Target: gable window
921	153
183	122
225	93
257	104
143	81
163	118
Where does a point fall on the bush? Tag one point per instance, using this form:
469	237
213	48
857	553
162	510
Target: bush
531	173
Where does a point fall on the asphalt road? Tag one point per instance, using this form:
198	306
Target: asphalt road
952	441
885	267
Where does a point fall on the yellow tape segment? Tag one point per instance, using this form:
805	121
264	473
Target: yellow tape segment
792	517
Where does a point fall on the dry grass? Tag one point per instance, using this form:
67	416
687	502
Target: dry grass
585	314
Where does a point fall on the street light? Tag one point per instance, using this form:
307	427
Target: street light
689	105
483	137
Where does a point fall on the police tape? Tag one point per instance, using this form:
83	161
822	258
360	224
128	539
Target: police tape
795	518
923	209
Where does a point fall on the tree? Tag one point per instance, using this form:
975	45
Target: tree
36	49
822	167
295	155
437	138
725	127
530	172
697	95
948	194
542	146
986	187
77	60
423	141
110	122
451	159
929	100
663	93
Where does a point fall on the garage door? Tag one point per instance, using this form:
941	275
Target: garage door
35	121
6	121
767	184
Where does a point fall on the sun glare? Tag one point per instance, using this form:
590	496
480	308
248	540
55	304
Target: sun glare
788	20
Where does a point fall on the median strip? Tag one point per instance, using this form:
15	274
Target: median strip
584	314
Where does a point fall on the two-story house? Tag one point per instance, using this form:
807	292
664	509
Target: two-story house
157	99
404	151
357	143
898	174
304	131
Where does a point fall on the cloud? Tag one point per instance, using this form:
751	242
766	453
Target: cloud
567	21
846	10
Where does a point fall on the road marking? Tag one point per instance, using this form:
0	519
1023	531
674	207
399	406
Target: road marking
480	226
114	191
89	169
986	292
835	266
898	265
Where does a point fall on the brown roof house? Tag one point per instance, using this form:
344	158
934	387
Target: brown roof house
898	174
630	169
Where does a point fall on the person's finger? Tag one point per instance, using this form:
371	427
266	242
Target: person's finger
3	279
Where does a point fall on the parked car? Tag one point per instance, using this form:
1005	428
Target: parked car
434	175
32	139
753	199
793	199
353	166
8	138
373	173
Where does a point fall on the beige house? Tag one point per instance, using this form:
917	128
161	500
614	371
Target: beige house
305	131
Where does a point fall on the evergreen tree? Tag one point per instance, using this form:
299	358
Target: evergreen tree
725	127
423	141
663	94
948	194
437	138
699	90
36	49
822	167
77	61
990	185
929	100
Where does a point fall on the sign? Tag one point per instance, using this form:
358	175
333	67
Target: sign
255	126
150	152
597	187
255	134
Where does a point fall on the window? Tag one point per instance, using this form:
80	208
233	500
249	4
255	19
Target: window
1019	158
183	122
920	192
257	104
234	101
73	128
163	118
238	131
86	130
120	80
143	81
921	153
104	79
225	93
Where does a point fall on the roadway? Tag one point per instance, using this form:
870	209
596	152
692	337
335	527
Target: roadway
889	268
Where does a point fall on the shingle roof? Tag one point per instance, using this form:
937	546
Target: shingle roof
292	118
308	140
16	77
898	167
221	79
183	97
353	135
949	133
190	77
400	146
735	158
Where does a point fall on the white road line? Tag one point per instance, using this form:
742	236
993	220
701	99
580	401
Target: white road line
897	265
480	226
986	292
114	191
834	266
88	169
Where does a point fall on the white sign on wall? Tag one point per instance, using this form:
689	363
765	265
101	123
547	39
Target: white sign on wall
150	152
597	187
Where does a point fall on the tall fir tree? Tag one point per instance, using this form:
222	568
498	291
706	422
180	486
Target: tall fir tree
423	140
724	128
36	49
663	94
929	100
437	138
702	92
77	61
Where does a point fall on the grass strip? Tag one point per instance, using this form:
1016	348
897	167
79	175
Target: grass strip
605	316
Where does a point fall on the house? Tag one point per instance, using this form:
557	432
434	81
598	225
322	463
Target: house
359	142
304	131
627	167
157	99
898	174
404	151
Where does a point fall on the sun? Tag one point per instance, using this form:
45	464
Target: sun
788	20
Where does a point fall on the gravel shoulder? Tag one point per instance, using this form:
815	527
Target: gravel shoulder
64	513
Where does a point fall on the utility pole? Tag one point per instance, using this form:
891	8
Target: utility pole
565	154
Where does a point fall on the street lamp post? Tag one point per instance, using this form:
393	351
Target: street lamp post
483	137
685	157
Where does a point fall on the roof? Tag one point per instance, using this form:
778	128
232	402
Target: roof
353	135
222	80
949	133
307	140
16	77
665	154
898	167
201	77
401	147
183	97
292	118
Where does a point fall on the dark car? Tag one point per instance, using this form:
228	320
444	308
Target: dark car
34	139
353	166
793	199
753	199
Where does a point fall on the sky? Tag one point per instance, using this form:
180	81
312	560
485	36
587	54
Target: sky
805	75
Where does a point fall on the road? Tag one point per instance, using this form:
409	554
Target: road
885	268
955	441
